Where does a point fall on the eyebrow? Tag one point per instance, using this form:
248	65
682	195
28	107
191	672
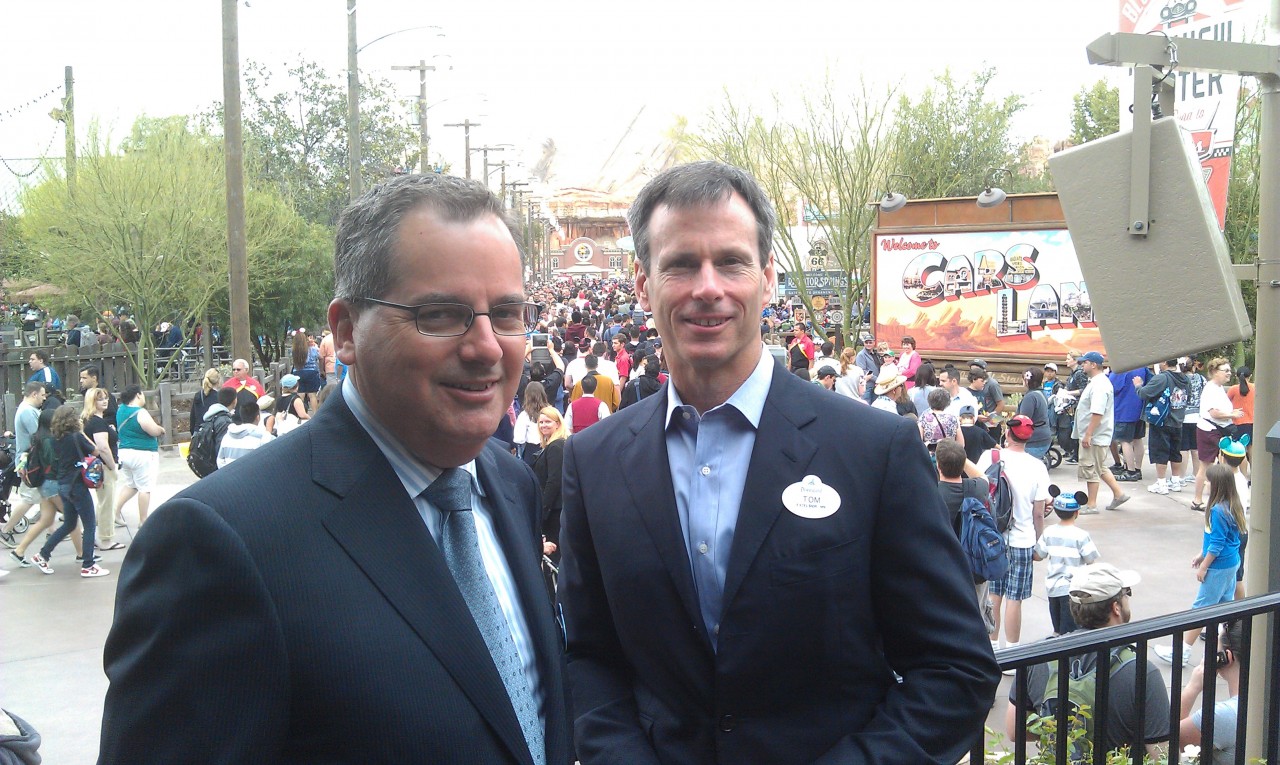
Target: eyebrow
443	297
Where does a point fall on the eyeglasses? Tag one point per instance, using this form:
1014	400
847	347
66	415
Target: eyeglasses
1224	369
454	319
1127	592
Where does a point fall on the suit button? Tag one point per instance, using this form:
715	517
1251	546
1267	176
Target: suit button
727	723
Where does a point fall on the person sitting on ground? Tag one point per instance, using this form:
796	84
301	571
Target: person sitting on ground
1233	660
1100	595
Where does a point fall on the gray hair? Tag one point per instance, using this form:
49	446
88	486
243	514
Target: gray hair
699	184
369	226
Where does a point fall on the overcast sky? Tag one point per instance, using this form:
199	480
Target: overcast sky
571	70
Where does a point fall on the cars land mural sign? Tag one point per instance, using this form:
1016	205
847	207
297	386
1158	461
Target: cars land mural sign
1013	292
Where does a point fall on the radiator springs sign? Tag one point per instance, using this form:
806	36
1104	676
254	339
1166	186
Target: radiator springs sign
1006	291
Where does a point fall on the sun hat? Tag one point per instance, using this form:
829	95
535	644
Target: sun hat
1097	582
289	381
889	379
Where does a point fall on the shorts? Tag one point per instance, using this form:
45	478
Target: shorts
1164	446
1219	586
1245	430
138	469
1129	431
1093	460
1207	445
27	494
1189	436
1017	583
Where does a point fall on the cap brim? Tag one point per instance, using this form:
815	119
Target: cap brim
1129	577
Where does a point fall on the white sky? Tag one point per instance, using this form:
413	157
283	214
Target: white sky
571	70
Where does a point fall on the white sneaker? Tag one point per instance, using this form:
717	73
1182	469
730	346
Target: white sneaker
1175	484
1165	653
1159	487
1088	510
94	571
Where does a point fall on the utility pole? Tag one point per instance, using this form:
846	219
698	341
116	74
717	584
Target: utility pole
423	139
353	107
466	126
233	141
485	151
69	129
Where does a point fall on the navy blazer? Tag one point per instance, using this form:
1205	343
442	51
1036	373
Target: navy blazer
818	613
293	608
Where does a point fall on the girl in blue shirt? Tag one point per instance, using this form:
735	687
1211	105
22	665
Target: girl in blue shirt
1220	549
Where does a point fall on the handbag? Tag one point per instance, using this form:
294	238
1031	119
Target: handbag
91	471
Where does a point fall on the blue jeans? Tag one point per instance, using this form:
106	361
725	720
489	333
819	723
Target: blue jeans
1038	451
76	502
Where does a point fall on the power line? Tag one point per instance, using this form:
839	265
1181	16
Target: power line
33	170
13	110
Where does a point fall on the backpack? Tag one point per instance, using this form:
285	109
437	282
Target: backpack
35	465
1001	493
202	457
1082	685
983	544
1156	411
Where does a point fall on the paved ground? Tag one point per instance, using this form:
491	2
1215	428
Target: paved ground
53	627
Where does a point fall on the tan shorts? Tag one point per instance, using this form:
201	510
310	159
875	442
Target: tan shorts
1093	462
138	469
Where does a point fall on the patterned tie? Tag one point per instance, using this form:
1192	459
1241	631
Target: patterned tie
451	494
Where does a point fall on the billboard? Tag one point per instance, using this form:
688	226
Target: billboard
983	292
1205	101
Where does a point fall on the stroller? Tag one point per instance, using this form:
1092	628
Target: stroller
9	481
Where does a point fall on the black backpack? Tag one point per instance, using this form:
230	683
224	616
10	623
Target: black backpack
1001	503
202	457
35	465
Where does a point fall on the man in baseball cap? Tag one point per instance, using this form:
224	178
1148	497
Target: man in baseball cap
1095	426
1100	595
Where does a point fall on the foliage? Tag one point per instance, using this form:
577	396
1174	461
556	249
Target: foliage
295	135
15	255
1095	112
1243	200
952	138
831	162
147	226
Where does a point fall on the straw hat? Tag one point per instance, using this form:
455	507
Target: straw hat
889	379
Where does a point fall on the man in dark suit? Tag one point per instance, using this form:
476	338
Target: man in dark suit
747	590
367	588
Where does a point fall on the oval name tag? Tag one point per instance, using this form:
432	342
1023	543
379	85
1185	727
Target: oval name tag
811	498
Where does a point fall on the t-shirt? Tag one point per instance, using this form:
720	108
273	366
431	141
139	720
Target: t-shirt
1122	711
977	440
69	449
953	495
992	393
1224	730
1214	396
1029	482
97	425
1067	548
1128	405
1098	398
1036	406
1195	386
1242	401
962	399
25	423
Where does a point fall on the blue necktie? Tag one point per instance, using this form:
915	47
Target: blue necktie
450	493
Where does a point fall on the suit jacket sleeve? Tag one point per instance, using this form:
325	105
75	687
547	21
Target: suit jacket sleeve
607	724
929	623
194	636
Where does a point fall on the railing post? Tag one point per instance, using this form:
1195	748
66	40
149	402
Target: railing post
166	412
1262	574
10	410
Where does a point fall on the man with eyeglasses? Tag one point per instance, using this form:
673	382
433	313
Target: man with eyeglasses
1099	597
366	589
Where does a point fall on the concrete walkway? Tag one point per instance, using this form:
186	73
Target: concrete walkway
54	627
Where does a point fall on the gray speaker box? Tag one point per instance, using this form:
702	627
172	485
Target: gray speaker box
1172	292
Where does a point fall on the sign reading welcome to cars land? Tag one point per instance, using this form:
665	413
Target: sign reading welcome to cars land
992	292
1205	102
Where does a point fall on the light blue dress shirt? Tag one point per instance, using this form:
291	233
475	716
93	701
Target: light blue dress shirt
416	477
709	456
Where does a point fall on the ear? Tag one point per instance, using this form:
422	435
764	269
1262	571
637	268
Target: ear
642	287
342	323
770	281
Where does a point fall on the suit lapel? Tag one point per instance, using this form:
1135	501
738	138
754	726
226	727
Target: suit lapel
781	454
654	498
379	528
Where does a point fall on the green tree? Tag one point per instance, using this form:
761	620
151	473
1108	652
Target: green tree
1095	112
15	255
295	135
1243	208
954	135
146	227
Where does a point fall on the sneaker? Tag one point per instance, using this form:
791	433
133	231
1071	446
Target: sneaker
1175	484
1072	461
1159	487
41	564
93	571
6	537
1117	469
1088	510
1165	653
1118	501
1128	475
20	560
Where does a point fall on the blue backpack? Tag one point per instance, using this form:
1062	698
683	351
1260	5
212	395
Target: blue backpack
983	545
1156	411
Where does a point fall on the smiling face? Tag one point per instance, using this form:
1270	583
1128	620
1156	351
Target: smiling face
547	425
441	396
705	287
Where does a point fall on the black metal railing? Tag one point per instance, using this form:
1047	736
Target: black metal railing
1139	634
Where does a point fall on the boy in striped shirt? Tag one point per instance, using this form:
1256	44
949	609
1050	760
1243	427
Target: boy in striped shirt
1067	547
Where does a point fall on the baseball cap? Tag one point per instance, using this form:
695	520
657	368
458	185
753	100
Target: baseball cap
1097	582
1022	427
980	363
826	371
1093	356
1052	366
289	381
968	411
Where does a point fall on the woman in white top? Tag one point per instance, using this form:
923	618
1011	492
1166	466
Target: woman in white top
852	381
1216	415
527	440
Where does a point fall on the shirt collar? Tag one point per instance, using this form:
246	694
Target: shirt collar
415	474
748	399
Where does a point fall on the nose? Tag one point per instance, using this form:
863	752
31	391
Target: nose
480	343
708	285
